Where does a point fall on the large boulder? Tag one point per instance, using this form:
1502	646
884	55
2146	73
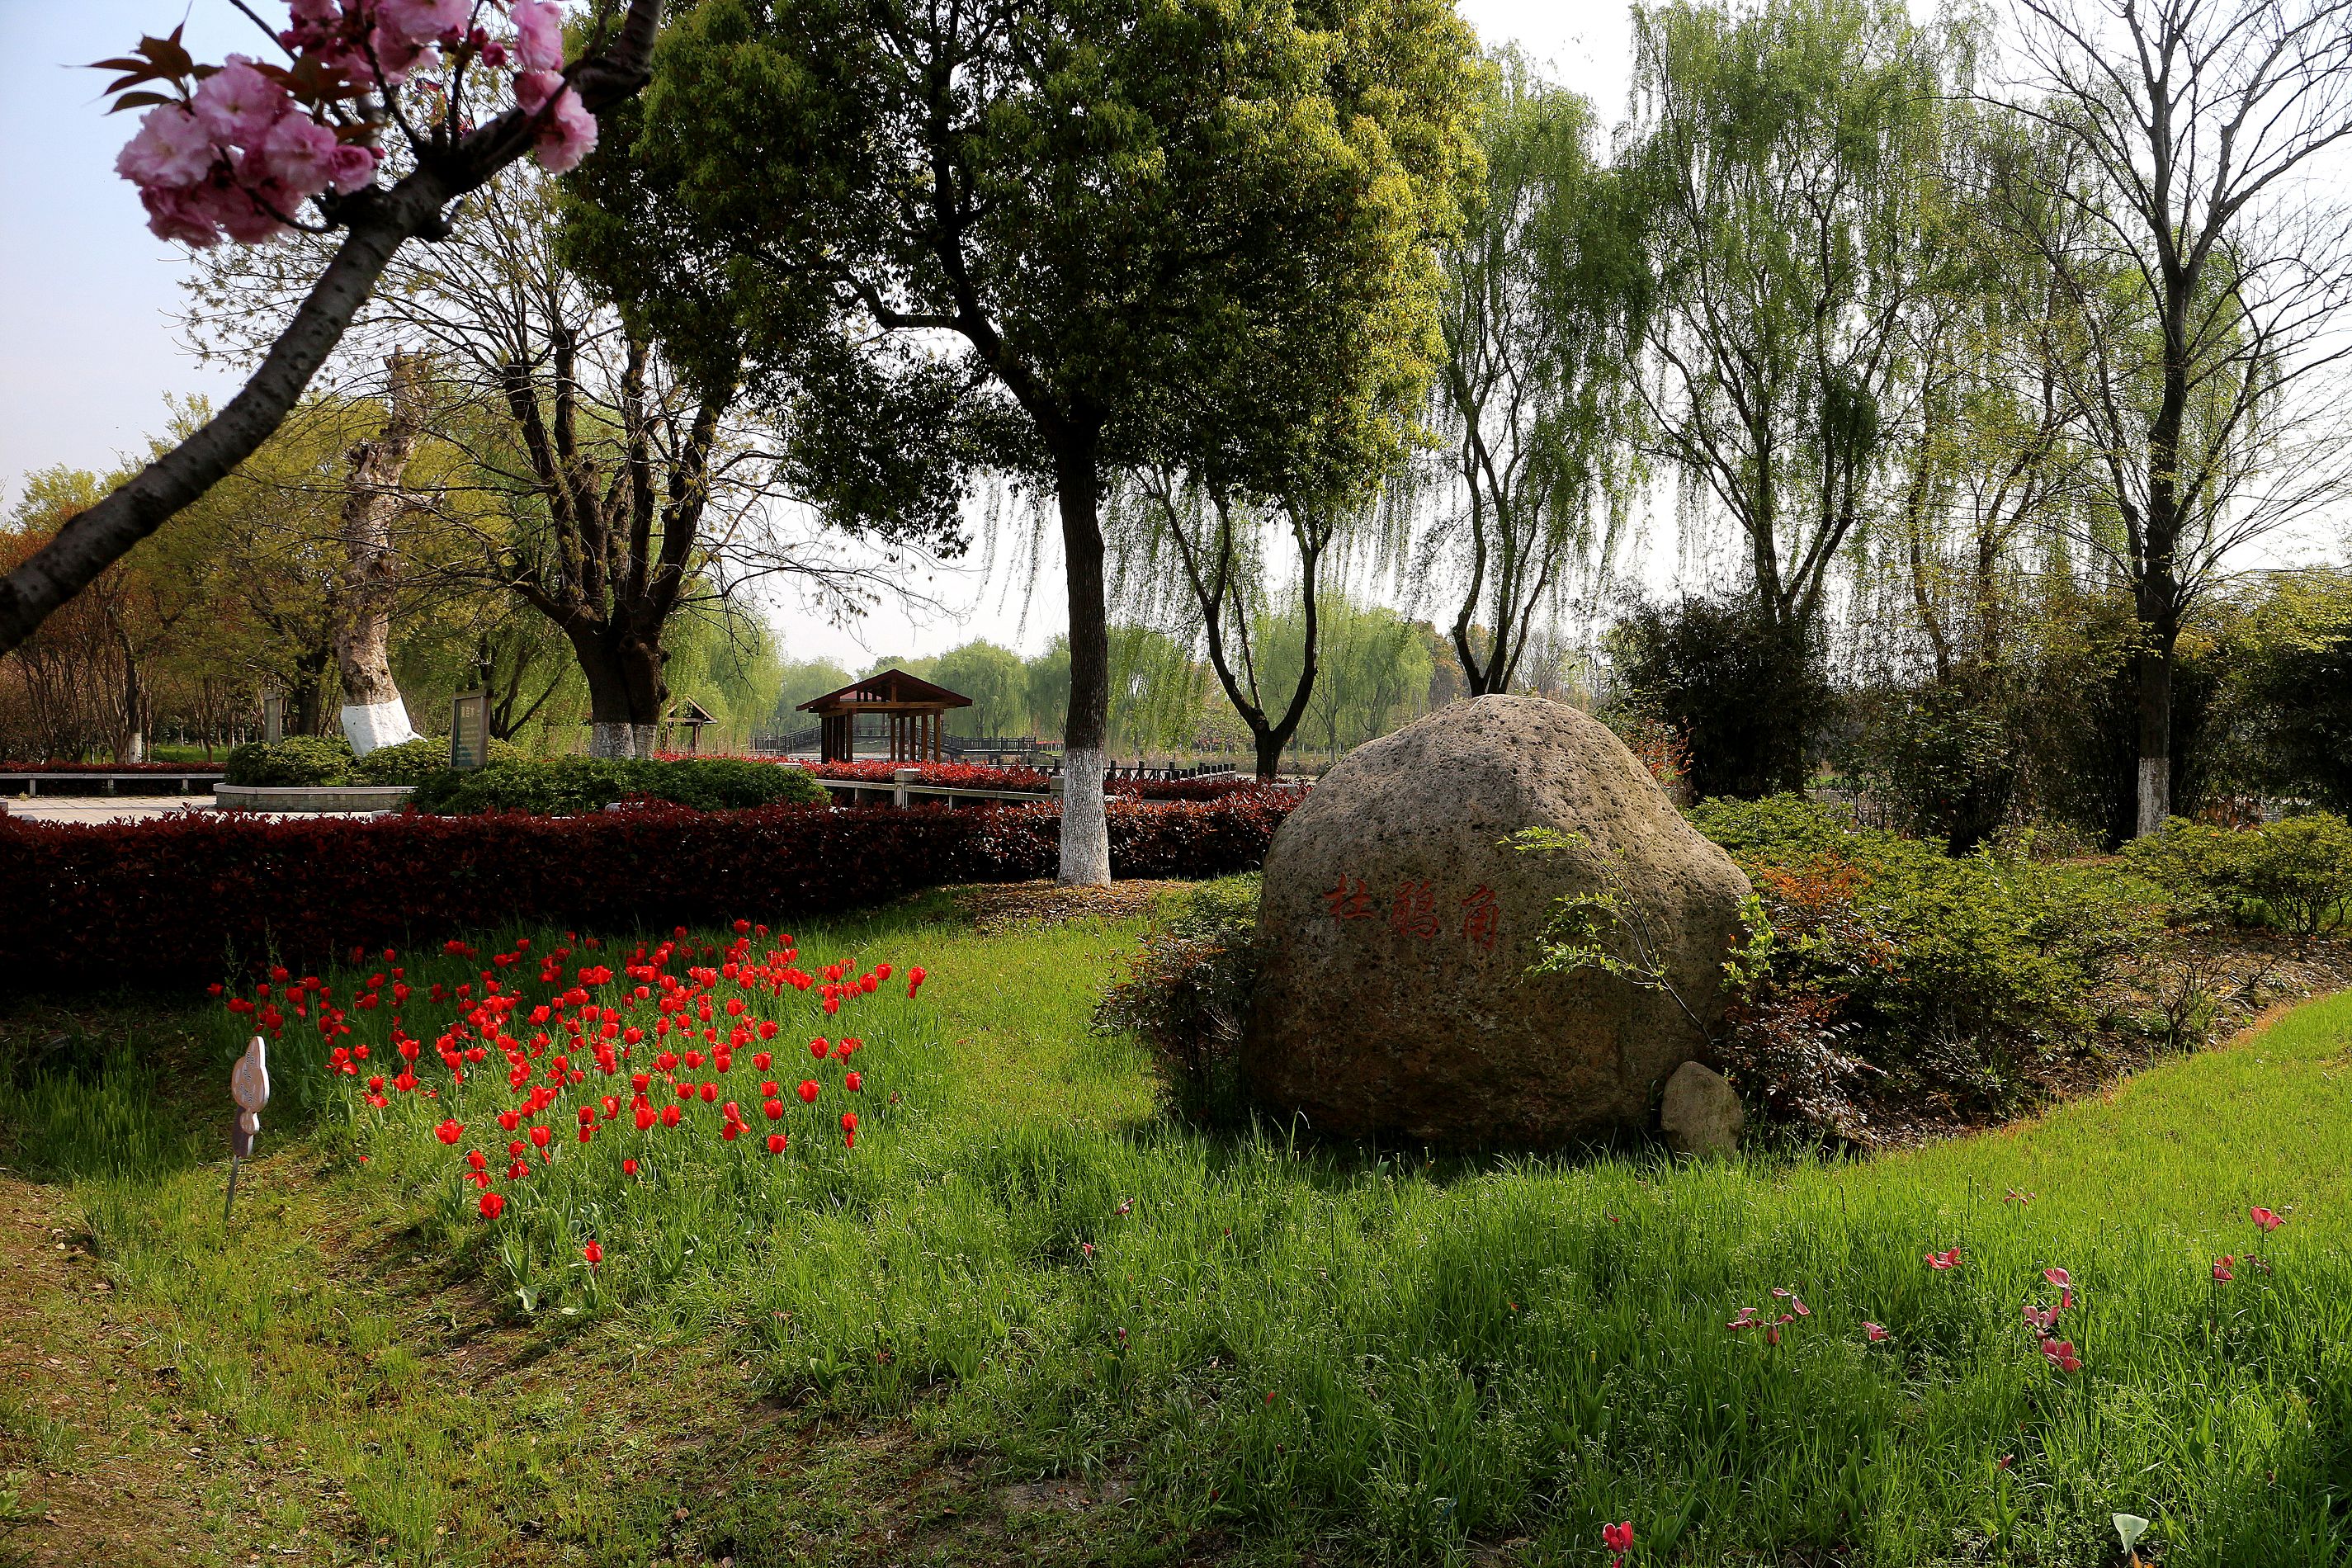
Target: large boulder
1396	932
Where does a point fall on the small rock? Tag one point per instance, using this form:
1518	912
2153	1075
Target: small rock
1700	1114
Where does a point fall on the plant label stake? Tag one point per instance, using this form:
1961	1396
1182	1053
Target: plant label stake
248	1085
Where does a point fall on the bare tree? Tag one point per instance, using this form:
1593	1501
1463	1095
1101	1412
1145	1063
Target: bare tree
2206	271
447	160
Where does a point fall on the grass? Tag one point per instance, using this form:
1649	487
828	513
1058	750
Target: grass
1023	1318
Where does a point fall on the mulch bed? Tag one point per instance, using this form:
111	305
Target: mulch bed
1000	907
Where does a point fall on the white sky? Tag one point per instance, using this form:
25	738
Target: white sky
86	353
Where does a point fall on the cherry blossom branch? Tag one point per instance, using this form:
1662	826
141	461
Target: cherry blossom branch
379	222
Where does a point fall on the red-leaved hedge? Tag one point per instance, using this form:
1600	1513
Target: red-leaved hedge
185	898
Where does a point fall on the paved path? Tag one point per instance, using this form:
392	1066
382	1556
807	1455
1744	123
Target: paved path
126	808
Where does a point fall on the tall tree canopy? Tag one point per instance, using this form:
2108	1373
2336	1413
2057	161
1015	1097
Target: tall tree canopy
1046	229
1784	151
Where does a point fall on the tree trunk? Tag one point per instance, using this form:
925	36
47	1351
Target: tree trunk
374	714
2154	682
1085	826
625	692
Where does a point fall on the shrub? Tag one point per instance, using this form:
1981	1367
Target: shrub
1947	757
2295	873
568	785
1951	971
1776	830
2301	871
1186	997
293	763
414	761
1748	697
177	900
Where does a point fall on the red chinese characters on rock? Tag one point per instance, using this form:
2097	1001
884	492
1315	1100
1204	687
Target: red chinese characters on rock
1413	910
1482	916
1350	900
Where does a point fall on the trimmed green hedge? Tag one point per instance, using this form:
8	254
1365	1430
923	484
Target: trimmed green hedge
568	785
290	763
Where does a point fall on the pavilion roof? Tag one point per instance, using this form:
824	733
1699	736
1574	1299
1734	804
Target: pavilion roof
887	690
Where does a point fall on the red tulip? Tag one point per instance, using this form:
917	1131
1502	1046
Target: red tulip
1940	1260
449	1132
669	1116
849	1121
817	1048
492	1205
760	1059
2222	1270
593	1252
774	1109
776	1142
628	1167
1617	1540
539	1137
852	1082
1872	1333
808	1092
2266	1219
914	980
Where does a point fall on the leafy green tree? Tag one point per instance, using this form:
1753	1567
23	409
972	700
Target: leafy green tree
1547	294
1101	206
993	679
1784	152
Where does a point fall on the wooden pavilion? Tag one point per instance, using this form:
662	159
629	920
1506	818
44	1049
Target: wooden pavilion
688	715
916	710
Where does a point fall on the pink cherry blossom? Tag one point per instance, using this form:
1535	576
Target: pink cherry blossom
568	135
423	21
299	154
237	104
173	213
396	56
352	168
173	150
533	89
539	35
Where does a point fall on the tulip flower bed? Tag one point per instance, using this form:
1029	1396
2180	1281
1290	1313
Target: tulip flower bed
186	898
560	1076
1251	1350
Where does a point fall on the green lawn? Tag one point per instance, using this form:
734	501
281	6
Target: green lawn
1223	1348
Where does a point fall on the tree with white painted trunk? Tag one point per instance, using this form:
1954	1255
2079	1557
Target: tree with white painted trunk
1058	221
374	714
2185	212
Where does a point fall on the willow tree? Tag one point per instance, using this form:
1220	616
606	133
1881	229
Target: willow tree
1785	152
1064	216
1546	295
